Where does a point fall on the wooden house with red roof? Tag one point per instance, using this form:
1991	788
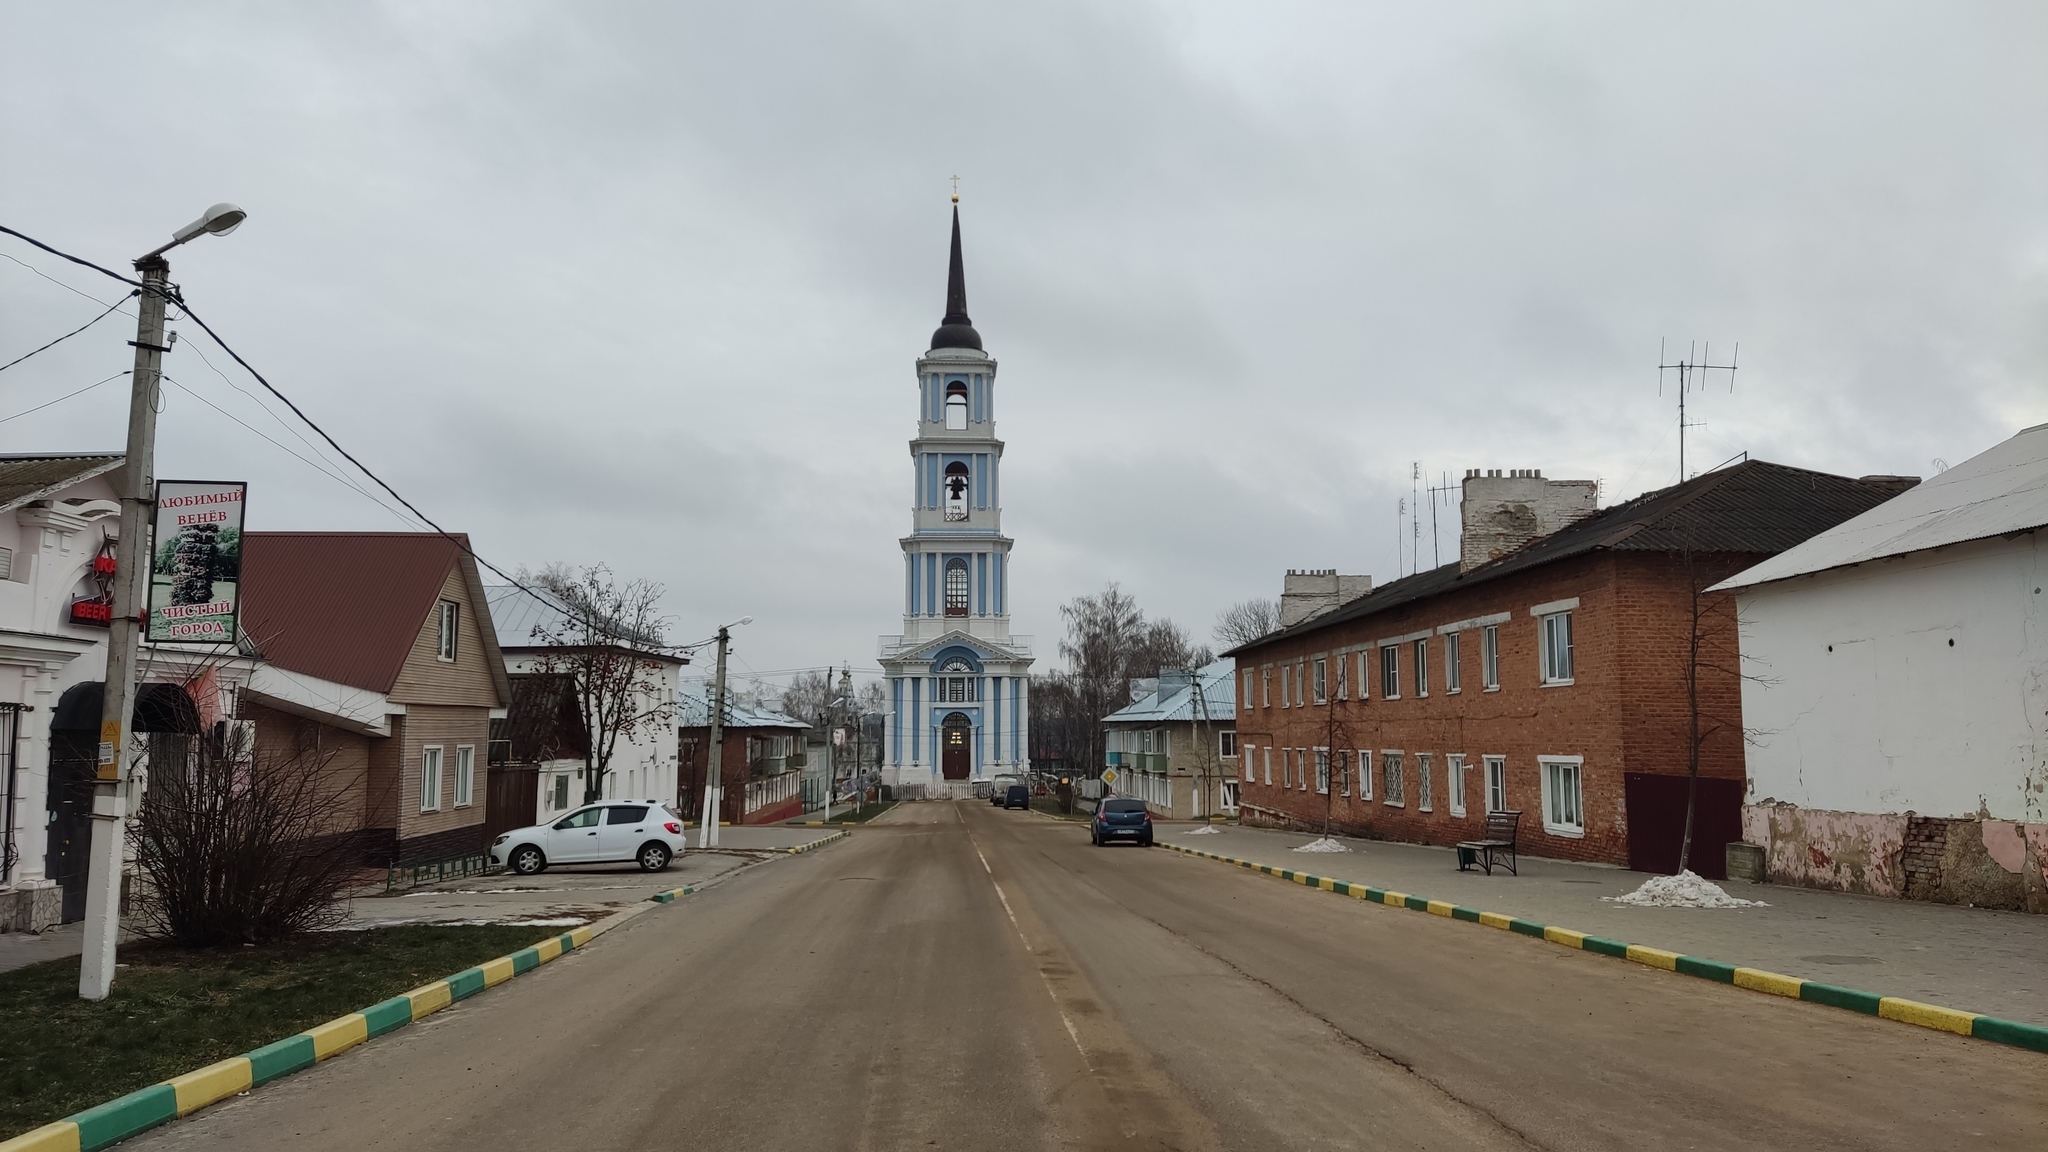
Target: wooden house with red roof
378	648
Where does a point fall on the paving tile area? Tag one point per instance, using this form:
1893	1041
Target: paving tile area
1971	959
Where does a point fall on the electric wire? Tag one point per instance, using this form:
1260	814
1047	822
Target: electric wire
172	295
70	334
54	280
64	397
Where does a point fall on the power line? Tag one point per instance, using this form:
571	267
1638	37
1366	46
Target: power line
70	334
64	397
176	297
54	280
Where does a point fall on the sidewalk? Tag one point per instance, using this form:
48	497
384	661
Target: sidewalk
1964	958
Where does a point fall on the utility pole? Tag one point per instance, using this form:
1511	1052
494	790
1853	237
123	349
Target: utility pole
110	798
714	776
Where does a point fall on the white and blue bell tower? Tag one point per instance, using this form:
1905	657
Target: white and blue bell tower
959	684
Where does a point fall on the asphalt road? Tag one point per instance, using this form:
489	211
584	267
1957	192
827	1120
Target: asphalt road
959	977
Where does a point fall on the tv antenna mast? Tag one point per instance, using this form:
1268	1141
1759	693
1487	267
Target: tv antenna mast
1692	373
1444	488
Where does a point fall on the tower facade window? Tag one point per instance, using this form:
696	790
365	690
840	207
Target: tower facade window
957	686
956	587
956	407
956	492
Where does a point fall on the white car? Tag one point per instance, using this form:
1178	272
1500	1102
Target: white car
646	832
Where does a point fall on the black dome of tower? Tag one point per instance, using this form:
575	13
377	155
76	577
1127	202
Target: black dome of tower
956	330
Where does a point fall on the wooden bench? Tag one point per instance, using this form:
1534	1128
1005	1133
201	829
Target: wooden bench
1498	842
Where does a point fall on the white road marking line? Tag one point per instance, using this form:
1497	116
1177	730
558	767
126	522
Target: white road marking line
1072	1033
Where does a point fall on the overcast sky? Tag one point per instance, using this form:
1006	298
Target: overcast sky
645	283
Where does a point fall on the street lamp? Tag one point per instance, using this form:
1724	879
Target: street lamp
714	778
131	586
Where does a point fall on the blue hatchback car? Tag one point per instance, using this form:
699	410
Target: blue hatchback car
1121	819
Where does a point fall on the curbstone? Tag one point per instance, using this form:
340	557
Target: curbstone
2015	1033
138	1111
820	842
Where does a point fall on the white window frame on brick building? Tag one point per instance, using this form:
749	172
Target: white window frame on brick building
1343	662
1364	673
1343	771
1268	750
1421	668
1564	795
1496	783
1425	788
1489	658
1454	768
1390	672
1301	683
1286	685
1453	674
1554	641
1394	789
1301	765
1365	774
1322	771
1322	680
1266	686
1248	697
1251	767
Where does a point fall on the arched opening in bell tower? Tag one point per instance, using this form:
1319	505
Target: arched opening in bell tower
956	407
956	586
956	491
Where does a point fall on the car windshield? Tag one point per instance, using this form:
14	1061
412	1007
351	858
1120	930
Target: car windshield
1123	806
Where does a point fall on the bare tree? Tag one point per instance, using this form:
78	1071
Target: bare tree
1246	621
1108	643
605	643
239	844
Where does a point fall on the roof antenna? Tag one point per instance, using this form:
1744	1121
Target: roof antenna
1692	373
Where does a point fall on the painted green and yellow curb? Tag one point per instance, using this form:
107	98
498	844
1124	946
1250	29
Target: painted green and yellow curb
2013	1032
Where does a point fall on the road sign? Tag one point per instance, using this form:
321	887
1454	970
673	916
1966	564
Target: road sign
1109	776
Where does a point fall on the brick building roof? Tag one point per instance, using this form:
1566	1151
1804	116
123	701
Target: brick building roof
1754	507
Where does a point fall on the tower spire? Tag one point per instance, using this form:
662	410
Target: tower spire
956	330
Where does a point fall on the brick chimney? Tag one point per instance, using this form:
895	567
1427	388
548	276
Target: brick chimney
1312	592
1503	512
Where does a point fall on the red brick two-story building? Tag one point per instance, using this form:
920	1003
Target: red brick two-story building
1551	670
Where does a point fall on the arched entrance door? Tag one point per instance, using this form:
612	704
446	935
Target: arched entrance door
956	758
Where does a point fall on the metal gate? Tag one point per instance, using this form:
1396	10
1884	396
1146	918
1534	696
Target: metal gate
1656	823
511	798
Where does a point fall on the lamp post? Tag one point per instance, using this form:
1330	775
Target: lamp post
714	775
131	598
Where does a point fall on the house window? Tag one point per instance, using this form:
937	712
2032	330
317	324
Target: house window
1248	765
1364	774
1247	689
1557	648
1563	810
1496	784
1341	686
1425	787
956	687
561	796
1421	668
1343	775
1364	655
1226	743
465	775
1453	675
1390	672
956	407
1269	766
1286	684
1266	686
1300	683
1229	790
1301	767
1322	680
1489	657
430	779
1454	766
956	491
1323	771
1390	776
444	636
956	586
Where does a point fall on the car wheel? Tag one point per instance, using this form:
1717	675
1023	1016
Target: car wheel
1146	842
653	857
527	860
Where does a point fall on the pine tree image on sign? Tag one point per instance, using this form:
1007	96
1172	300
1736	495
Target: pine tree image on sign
194	563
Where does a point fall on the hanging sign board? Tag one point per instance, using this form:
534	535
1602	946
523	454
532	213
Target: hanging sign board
195	569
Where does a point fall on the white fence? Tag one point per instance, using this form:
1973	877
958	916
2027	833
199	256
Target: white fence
772	791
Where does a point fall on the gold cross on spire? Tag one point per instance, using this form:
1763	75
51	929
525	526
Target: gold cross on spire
956	189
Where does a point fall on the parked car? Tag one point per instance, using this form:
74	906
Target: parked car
1118	818
999	789
645	832
1016	796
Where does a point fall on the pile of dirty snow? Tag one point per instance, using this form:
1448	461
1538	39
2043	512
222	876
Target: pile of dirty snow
1686	890
1323	845
1206	830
